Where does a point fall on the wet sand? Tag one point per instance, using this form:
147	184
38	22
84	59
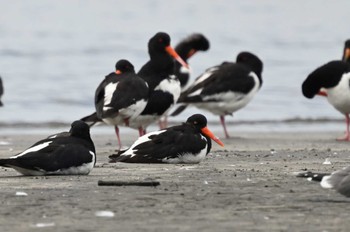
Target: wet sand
247	186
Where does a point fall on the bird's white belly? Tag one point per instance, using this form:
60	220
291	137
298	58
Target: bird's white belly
126	113
339	96
226	103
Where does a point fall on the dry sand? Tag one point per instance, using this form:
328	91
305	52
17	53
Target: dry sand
247	186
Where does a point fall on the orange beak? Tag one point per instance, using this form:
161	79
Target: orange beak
210	134
322	93
176	56
118	72
347	54
191	53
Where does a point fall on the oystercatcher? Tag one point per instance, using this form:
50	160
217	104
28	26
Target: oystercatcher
164	87
120	96
186	48
63	155
338	180
332	81
225	88
186	143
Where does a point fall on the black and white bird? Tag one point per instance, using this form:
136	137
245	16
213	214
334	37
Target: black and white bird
64	155
186	48
186	143
120	96
1	91
332	80
338	180
164	86
226	88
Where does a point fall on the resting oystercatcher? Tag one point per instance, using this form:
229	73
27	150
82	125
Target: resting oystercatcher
164	87
120	96
186	48
225	88
1	91
338	180
186	143
63	155
331	80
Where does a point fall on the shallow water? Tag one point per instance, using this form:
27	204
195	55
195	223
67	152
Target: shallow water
53	54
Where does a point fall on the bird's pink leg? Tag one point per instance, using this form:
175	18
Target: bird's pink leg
118	137
222	120
347	133
142	131
163	122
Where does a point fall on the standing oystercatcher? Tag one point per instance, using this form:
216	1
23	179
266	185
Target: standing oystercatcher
63	155
186	48
120	96
186	143
164	87
332	80
225	88
338	180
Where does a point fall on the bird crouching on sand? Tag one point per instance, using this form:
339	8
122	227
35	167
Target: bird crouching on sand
338	180
186	143
64	155
225	88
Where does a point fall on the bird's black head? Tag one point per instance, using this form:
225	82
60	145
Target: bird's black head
252	61
190	45
197	120
326	76
199	42
159	42
124	66
346	52
80	129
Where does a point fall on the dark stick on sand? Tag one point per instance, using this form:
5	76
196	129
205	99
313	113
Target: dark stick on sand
128	183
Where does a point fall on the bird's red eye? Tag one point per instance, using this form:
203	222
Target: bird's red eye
160	40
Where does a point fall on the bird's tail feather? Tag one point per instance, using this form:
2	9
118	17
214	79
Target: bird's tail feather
5	162
91	119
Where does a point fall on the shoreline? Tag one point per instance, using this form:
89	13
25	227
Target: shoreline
246	186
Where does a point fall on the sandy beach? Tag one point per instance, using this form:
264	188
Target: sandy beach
247	186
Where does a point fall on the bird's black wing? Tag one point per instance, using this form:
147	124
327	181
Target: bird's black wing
170	143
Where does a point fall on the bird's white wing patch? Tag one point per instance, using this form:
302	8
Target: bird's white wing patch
325	183
204	76
195	93
32	149
171	85
109	90
142	139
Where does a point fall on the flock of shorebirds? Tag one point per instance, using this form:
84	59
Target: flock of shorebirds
127	98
